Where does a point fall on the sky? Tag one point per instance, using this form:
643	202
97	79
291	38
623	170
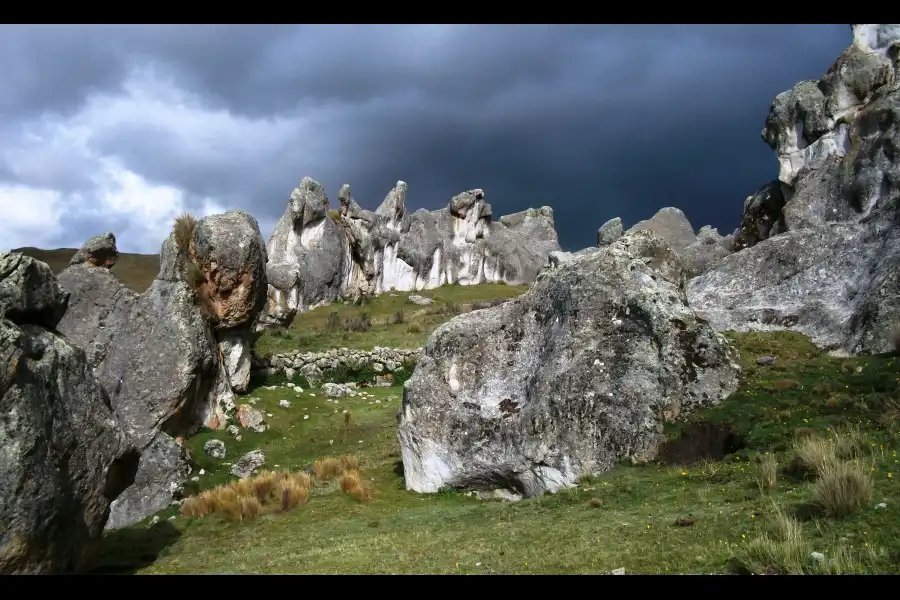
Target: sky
121	128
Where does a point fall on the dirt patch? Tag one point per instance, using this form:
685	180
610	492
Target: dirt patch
700	441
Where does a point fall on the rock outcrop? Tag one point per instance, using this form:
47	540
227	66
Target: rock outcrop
314	258
699	252
98	303
171	358
63	455
577	373
820	247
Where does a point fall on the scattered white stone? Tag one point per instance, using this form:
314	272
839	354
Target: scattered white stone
312	395
233	430
270	414
154	520
239	438
881	505
202	471
619	571
331	442
195	478
289	384
172	518
305	417
817	556
284	403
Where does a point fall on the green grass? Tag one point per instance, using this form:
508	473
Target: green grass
136	271
623	518
310	330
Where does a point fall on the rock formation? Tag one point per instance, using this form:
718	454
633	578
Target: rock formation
313	259
820	247
171	358
63	454
577	373
306	256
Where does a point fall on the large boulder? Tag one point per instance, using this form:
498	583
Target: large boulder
99	304
822	247
577	373
63	455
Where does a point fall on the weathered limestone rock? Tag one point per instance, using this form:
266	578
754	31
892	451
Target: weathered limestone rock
98	306
709	249
362	252
305	256
575	374
99	251
164	469
63	454
671	225
248	463
29	293
609	232
176	358
762	217
827	264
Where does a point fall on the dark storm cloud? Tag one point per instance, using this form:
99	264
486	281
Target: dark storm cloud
596	121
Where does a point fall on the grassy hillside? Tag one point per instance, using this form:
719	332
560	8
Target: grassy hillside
388	320
817	474
137	271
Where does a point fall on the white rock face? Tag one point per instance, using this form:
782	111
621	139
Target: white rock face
819	250
314	259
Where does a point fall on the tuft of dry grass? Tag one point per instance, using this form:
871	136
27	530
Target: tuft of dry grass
844	482
843	487
814	453
248	498
184	229
789	552
766	472
353	485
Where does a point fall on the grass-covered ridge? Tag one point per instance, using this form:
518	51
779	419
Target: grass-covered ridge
818	432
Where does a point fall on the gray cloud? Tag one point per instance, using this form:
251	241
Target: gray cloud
596	121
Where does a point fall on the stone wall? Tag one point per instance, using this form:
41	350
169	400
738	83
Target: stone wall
380	366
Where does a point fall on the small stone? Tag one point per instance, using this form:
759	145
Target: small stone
269	415
284	403
817	556
619	571
195	478
154	520
305	417
248	463
233	431
202	471
214	448
766	360
881	505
